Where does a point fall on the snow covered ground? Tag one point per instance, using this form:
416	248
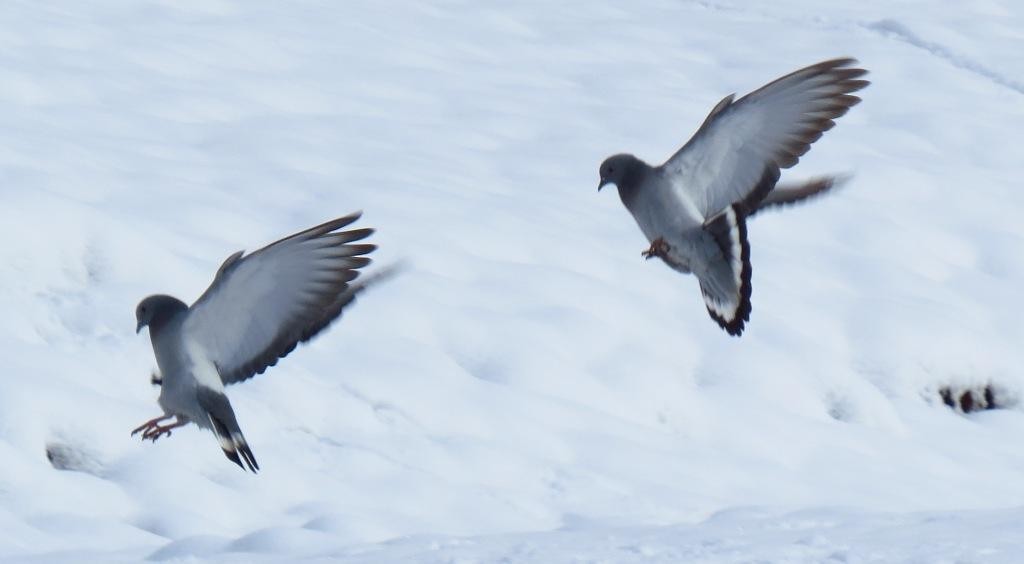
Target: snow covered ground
530	390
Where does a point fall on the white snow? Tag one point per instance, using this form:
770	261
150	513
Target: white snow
530	390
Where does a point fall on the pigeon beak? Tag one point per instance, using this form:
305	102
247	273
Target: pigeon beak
139	327
602	184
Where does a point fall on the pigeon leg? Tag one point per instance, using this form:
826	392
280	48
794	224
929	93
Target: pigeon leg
154	422
659	248
157	431
153	430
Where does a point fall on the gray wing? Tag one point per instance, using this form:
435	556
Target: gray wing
260	306
736	154
789	194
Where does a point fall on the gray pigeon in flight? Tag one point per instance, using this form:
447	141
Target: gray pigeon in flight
258	308
693	208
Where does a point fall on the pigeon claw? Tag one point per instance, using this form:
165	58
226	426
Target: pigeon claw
659	248
153	430
157	431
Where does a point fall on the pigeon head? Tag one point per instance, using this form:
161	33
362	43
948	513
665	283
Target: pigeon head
624	171
154	311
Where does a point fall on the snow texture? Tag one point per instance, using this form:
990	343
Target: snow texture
530	389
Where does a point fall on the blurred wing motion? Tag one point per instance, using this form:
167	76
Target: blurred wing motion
789	194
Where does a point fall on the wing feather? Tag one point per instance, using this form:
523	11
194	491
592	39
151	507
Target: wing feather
743	143
260	306
790	194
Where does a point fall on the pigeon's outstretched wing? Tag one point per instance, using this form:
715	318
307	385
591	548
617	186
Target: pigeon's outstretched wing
789	194
735	156
261	306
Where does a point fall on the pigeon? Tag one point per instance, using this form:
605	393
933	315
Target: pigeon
258	308
693	208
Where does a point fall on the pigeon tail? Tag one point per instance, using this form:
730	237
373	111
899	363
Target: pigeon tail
725	283
232	442
225	427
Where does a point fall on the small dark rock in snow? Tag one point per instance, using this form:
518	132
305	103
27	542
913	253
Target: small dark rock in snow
971	399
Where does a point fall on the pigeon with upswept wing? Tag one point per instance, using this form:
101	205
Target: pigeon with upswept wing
258	308
693	208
